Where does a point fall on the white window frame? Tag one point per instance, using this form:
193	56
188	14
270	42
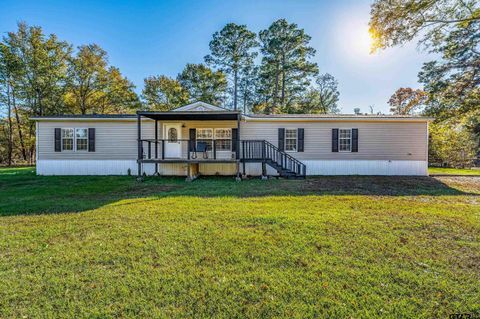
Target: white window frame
86	138
296	140
215	138
339	138
206	140
62	138
74	139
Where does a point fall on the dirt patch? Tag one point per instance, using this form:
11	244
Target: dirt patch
391	185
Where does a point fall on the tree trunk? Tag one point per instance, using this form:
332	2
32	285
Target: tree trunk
283	81
275	95
32	147
235	80
10	128
19	126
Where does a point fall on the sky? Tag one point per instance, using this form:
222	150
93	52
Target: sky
146	38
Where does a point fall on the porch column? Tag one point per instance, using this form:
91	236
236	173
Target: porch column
139	137
237	155
156	147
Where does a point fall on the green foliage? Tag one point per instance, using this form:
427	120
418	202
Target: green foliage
453	81
285	71
328	247
396	22
451	30
162	93
39	76
321	98
232	52
203	84
451	145
94	87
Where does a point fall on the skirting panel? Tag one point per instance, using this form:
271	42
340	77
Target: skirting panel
365	167
104	167
327	167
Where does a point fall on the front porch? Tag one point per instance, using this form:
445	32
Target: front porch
203	137
188	137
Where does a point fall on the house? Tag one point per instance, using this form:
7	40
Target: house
200	138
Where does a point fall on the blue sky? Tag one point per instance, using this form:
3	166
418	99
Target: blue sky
146	38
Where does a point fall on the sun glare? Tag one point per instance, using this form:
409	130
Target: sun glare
353	39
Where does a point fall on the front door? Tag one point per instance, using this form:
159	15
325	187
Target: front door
173	144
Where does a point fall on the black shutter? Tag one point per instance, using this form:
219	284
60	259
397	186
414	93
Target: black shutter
334	139
354	139
234	139
300	139
281	139
58	140
91	139
192	136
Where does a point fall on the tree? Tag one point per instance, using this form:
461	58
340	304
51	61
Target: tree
203	84
247	87
87	76
396	22
119	95
321	98
453	81
285	71
232	52
451	144
94	87
43	62
406	100
162	93
447	28
40	83
8	71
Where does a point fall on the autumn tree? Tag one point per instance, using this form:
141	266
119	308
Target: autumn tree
286	69
162	93
406	101
203	83
96	87
232	51
40	81
448	28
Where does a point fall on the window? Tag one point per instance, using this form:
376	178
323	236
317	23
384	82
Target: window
345	140
291	140
172	134
67	139
205	135
81	139
223	139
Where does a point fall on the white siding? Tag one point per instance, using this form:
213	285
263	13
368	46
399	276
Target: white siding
376	141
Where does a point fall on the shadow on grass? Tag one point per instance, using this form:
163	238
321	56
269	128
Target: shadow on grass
22	192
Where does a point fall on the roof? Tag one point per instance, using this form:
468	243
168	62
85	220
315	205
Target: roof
199	106
232	115
337	117
192	115
85	116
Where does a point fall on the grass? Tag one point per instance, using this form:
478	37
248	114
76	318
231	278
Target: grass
357	247
452	171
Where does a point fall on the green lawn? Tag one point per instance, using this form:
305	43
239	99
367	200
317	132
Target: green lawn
452	171
338	247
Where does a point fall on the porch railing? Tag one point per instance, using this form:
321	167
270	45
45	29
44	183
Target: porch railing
161	149
261	150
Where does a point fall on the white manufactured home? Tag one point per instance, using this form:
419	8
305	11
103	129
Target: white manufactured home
200	138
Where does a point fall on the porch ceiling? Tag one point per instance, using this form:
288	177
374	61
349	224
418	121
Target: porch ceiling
191	116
